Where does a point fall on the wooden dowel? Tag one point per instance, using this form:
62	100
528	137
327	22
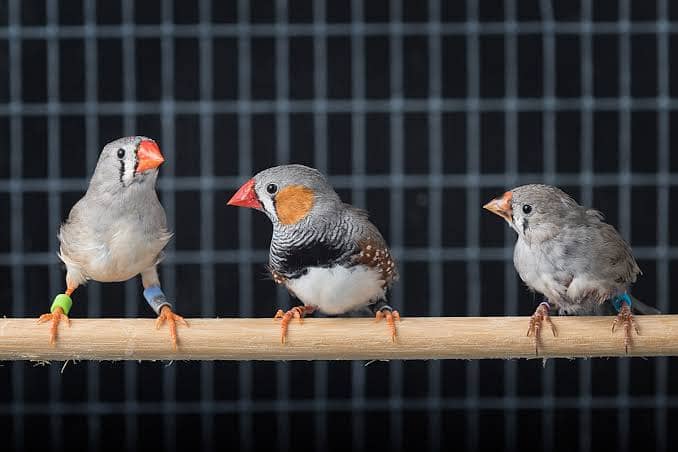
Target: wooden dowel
334	339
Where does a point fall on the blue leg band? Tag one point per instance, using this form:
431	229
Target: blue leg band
156	298
619	299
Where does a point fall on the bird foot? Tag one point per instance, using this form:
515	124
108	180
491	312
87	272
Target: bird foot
391	317
297	312
626	320
172	319
55	317
541	314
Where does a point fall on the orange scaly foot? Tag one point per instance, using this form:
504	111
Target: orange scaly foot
297	312
540	315
625	318
55	317
167	315
391	317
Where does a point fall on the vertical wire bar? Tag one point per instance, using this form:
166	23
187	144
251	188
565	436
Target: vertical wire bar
129	126
358	194
623	418
472	210
549	140
16	208
91	147
435	193
167	121
586	175
663	206
246	291
320	161
282	130
397	202
53	201
207	276
511	169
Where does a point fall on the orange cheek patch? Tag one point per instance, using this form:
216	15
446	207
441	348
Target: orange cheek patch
293	203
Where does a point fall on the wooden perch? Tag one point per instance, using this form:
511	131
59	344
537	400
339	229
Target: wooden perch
332	339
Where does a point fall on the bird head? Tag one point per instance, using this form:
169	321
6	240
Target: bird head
126	162
535	211
288	194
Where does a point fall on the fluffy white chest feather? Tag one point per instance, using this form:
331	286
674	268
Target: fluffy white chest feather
119	257
337	290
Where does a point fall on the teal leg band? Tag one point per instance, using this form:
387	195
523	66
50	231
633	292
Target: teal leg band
620	300
62	301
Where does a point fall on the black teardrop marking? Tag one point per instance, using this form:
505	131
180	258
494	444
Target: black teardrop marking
136	160
122	172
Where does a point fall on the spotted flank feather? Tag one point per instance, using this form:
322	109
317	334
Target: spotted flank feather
376	255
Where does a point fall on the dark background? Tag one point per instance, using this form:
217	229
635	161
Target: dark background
419	111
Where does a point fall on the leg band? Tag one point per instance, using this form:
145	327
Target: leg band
621	299
62	301
156	298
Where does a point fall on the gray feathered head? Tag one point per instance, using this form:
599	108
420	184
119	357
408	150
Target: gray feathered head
127	162
537	211
288	194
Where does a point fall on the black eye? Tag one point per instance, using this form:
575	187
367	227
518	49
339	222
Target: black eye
121	153
527	209
272	188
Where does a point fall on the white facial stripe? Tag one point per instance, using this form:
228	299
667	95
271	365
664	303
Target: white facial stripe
267	202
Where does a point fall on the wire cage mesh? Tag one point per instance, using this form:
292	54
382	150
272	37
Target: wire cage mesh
418	111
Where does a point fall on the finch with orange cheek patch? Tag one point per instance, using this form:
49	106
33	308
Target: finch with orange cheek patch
325	252
117	230
570	255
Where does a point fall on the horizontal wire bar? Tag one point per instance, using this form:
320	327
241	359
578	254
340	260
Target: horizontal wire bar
338	106
423	254
373	181
297	405
340	29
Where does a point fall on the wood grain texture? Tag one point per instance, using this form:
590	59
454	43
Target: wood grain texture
333	339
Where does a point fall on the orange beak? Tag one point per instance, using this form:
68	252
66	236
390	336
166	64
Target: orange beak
502	206
148	156
246	197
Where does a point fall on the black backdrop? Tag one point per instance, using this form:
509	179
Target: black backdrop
419	111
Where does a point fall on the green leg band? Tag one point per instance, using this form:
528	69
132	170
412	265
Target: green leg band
62	301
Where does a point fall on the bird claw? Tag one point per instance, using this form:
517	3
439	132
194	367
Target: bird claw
172	319
626	319
55	317
297	312
541	314
391	317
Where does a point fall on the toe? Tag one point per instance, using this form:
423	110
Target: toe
45	318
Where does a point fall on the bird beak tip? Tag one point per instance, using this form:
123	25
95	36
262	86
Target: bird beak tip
501	206
246	196
149	156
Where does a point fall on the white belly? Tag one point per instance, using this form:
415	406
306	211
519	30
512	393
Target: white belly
338	290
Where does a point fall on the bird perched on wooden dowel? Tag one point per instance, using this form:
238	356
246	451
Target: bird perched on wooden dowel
325	252
117	230
570	255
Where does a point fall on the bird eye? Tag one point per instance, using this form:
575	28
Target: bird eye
527	209
272	188
121	153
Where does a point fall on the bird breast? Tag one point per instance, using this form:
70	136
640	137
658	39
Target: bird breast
337	289
538	271
119	253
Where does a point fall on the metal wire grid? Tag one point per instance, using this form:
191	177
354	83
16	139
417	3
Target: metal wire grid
358	182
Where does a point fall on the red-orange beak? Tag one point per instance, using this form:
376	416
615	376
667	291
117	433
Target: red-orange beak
502	206
148	156
246	197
